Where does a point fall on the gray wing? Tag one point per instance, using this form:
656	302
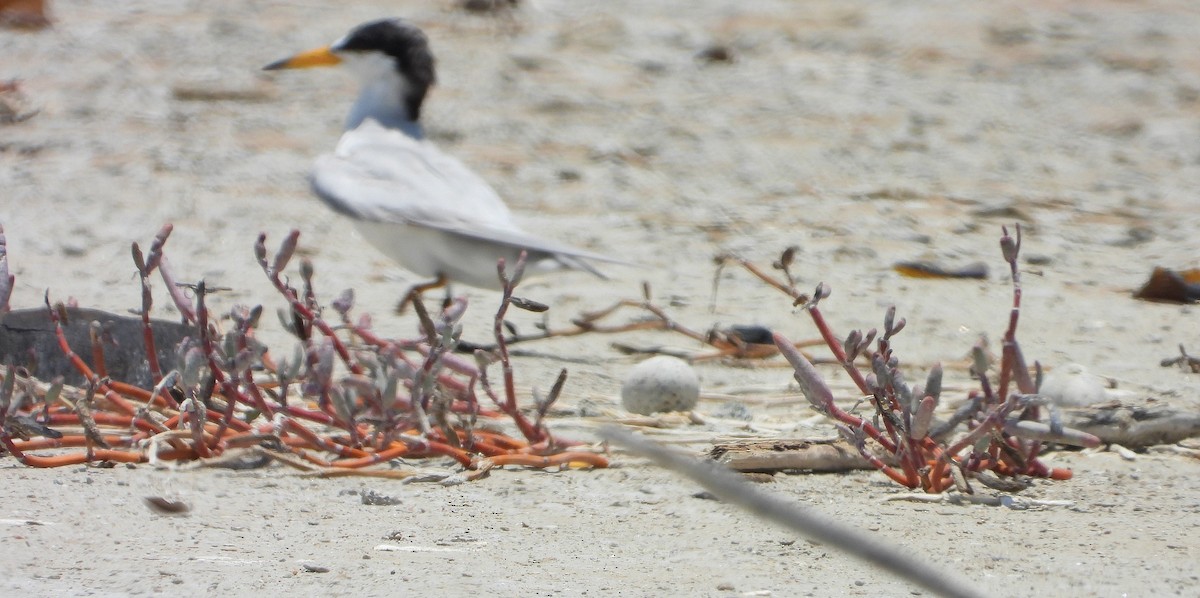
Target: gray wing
384	175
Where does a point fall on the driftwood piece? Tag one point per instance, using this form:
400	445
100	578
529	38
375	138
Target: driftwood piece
1134	426
777	455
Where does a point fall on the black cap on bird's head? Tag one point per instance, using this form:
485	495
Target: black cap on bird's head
399	40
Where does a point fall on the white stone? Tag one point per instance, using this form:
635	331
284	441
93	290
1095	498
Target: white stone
1071	385
661	383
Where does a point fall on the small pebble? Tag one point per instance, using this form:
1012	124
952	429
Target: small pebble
373	498
163	506
715	53
661	383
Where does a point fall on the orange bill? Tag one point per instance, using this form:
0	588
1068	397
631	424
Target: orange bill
306	60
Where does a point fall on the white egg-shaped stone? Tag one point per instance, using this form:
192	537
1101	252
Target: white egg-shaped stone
661	383
1071	385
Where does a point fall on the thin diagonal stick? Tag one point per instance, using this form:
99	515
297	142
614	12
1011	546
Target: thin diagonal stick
727	487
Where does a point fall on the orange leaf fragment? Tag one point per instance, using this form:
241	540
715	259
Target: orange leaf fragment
1169	286
23	14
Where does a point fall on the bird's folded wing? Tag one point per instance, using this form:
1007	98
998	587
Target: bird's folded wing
380	173
385	176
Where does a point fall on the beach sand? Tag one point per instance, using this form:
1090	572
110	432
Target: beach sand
662	133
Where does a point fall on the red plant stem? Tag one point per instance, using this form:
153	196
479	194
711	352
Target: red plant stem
142	395
214	417
1035	467
526	428
300	308
340	450
556	460
474	443
12	448
92	454
989	423
941	484
108	419
1009	358
497	439
197	432
76	441
920	458
319	417
767	278
260	402
449	360
546	448
853	420
509	405
939	470
229	390
311	458
938	477
1031	457
806	375
910	462
994	453
431	447
396	450
888	427
148	333
61	335
1007	459
488	443
248	378
930	447
70	441
835	346
234	424
410	446
101	366
454	364
458	406
486	448
187	417
900	478
210	355
227	416
175	291
102	455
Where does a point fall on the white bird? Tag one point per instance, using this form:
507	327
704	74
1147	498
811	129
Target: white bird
419	206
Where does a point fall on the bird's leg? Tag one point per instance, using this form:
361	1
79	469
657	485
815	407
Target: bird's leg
414	292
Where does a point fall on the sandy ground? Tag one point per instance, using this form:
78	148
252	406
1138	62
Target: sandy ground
863	132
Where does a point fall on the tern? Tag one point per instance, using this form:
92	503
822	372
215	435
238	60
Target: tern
418	205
